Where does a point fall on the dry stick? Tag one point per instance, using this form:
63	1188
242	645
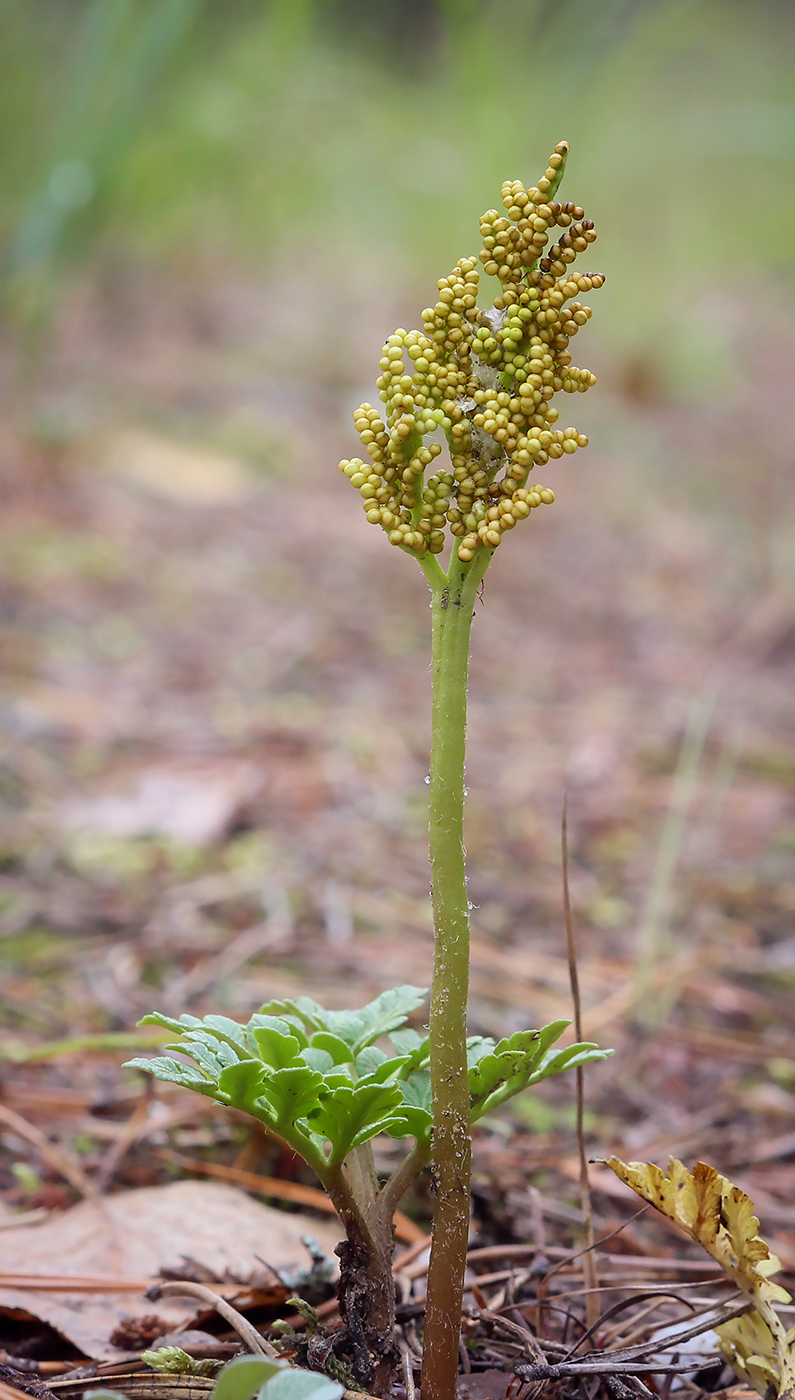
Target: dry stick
653	1298
247	1334
409	1255
653	930
85	1283
408	1374
58	1158
590	1275
522	1251
132	1129
24	1217
661	1346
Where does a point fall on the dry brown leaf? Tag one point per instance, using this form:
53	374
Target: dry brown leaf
135	1234
721	1218
196	805
178	471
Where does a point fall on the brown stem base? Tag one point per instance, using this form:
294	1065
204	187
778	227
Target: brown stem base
366	1342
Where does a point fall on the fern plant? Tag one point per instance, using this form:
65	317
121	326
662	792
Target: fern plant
318	1082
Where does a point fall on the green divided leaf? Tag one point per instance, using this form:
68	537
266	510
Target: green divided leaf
338	1049
275	1043
317	1059
478	1047
371	1061
352	1114
386	1070
157	1018
418	1123
227	1030
556	1061
197	1049
172	1072
289	1025
409	1042
417	1091
303	1011
497	1072
389	1011
241	1084
356	1028
507	1059
293	1094
312	1076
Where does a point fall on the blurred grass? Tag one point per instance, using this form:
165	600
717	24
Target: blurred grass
260	135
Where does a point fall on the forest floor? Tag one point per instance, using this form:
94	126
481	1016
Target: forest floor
214	730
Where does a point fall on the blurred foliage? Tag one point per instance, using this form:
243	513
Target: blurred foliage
330	129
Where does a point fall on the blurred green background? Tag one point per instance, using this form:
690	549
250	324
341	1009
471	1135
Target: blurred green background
261	133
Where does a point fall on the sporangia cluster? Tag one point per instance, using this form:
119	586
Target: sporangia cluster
486	379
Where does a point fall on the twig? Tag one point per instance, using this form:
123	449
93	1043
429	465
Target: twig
673	1340
408	1374
601	1366
78	1283
24	1217
10	1392
131	1130
58	1158
653	929
247	1334
653	1299
590	1275
569	1257
617	1389
409	1255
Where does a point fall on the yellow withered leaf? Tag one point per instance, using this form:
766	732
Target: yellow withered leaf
748	1345
721	1218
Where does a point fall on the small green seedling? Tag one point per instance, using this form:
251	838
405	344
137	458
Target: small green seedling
484	381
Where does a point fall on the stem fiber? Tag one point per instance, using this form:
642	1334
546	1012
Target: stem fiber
452	607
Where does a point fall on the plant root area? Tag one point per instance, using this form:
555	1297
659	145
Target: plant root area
214	729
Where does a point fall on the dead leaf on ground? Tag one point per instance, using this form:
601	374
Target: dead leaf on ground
720	1217
194	805
134	1235
45	710
181	472
484	1385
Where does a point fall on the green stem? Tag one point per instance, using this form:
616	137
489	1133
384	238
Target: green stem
393	1190
452	608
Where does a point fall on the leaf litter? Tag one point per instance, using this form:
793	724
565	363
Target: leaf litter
115	1247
